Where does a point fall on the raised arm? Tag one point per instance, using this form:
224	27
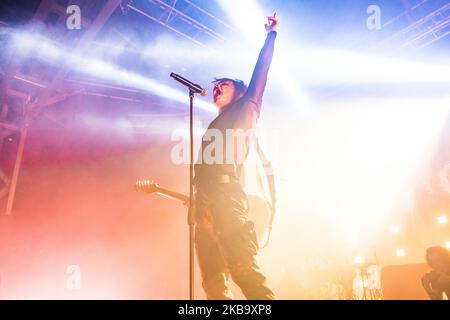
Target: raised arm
259	78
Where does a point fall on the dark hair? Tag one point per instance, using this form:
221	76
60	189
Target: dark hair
239	85
441	251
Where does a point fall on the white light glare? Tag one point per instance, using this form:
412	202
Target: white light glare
249	19
400	253
322	65
442	219
359	260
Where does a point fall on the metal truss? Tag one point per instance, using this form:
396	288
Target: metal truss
49	90
172	15
420	32
9	179
423	32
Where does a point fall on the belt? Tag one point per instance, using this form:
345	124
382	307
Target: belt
220	179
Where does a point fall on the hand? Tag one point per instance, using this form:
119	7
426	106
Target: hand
273	23
426	281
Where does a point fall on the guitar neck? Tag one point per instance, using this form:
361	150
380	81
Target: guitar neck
173	195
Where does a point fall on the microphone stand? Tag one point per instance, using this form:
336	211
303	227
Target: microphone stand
193	88
191	217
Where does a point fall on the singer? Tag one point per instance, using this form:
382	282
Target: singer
225	238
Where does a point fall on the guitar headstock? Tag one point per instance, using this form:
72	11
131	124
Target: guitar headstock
148	186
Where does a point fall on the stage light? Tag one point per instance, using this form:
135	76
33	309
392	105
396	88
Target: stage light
359	260
442	219
395	229
400	253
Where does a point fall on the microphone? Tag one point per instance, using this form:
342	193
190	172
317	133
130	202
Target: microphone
192	86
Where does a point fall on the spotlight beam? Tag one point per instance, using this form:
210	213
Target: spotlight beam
79	62
320	65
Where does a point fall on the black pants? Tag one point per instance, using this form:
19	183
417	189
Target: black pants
226	243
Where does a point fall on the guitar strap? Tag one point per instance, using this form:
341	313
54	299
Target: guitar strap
270	178
268	170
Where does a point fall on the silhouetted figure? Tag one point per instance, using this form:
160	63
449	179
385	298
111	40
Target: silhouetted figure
437	282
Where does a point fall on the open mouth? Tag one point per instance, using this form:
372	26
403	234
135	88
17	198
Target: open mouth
217	93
